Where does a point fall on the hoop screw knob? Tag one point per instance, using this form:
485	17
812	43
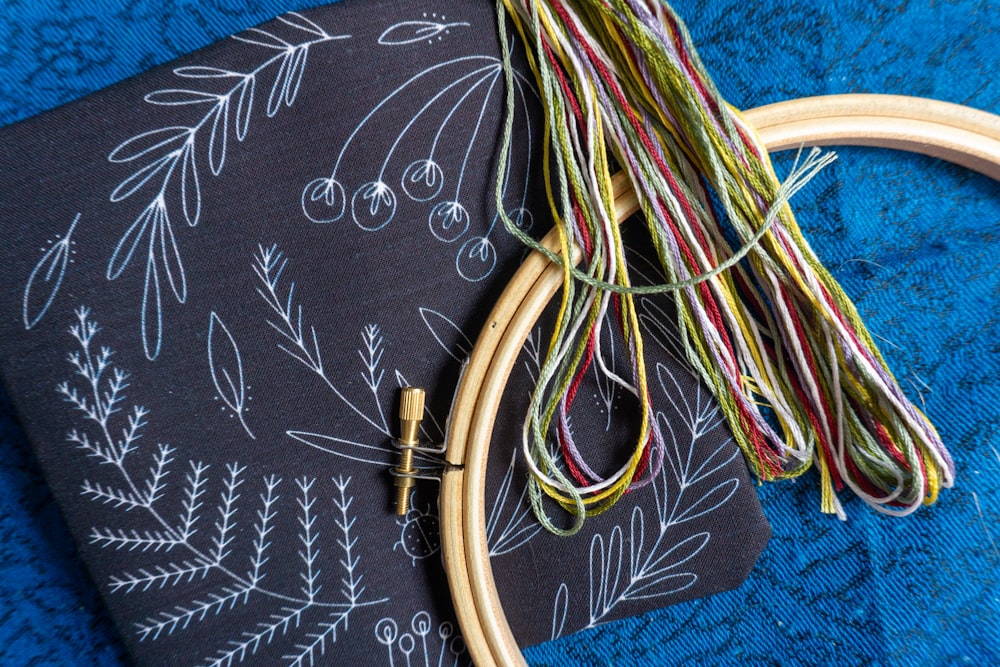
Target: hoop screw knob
411	413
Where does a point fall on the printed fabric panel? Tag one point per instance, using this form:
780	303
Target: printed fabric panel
218	276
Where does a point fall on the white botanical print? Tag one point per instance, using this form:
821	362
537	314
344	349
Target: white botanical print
465	87
422	644
166	160
302	344
607	389
46	278
420	536
638	565
217	534
559	610
448	335
647	560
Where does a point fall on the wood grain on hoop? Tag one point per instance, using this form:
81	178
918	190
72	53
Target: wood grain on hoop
958	134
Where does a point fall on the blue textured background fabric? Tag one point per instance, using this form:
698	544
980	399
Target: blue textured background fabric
915	241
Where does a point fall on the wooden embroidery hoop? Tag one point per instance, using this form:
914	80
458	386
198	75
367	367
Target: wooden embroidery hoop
951	132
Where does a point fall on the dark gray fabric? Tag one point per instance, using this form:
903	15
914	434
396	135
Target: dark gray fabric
216	277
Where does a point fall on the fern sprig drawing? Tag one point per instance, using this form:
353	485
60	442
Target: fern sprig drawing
307	536
166	161
370	443
186	531
263	527
371	358
419	533
303	345
299	343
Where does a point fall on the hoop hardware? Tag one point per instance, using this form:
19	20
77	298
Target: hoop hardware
405	475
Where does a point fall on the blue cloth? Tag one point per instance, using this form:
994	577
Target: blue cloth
914	241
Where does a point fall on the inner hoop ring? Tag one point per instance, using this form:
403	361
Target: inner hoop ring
955	133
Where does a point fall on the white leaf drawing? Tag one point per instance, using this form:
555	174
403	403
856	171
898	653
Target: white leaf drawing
605	572
226	366
205	72
296	70
280	86
260	37
244	106
607	389
676	555
354	451
360	452
170	256
511	523
46	278
559	609
713	499
153	141
151	319
296	20
180	97
448	334
190	186
661	586
129	242
218	139
130	185
409	32
153	226
690	485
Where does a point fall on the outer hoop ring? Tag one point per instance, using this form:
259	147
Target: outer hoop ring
951	132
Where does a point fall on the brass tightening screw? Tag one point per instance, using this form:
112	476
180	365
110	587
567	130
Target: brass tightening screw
411	413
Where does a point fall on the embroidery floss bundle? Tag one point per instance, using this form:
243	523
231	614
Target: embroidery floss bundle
765	325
